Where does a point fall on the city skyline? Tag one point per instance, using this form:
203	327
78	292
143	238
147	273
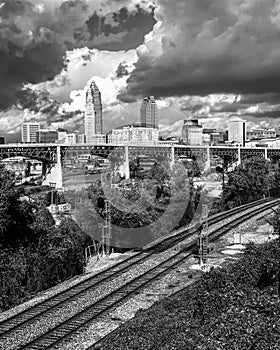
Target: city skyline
139	56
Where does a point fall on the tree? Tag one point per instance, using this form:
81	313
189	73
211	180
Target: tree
35	254
246	183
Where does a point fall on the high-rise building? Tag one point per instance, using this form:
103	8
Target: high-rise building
149	113
237	131
28	132
192	132
93	113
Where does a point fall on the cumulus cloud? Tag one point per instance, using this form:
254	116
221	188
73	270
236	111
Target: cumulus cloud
204	47
36	34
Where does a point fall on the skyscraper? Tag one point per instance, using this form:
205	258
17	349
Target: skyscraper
149	113
93	113
237	131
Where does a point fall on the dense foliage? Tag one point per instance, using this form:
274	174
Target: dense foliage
250	181
228	309
34	253
140	212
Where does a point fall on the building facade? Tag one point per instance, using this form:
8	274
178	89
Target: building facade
28	132
62	135
261	134
93	119
46	136
192	133
81	138
237	131
149	113
134	135
71	139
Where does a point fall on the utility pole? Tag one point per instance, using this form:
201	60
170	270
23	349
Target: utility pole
203	236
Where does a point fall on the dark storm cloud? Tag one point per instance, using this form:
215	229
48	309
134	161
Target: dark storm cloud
40	103
122	70
35	35
28	51
37	101
206	47
133	25
245	102
264	115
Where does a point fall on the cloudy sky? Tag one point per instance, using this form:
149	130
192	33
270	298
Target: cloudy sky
206	59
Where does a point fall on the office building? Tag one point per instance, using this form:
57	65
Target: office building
149	113
192	133
61	135
214	137
133	135
28	132
71	139
46	136
237	131
93	113
81	138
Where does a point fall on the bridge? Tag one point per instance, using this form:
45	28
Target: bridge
56	155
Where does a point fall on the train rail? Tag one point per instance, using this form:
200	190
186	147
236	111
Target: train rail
52	337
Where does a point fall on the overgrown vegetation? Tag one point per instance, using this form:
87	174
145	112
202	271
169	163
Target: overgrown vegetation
34	253
250	181
227	309
140	212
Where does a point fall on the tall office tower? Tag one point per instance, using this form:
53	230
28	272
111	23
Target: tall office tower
28	132
237	131
149	113
93	113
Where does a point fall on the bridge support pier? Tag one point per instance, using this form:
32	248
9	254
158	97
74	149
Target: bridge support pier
44	168
172	161
208	160
238	156
55	175
126	164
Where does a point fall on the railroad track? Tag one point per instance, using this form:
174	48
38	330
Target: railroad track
52	337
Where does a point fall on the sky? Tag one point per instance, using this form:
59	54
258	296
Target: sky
203	59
